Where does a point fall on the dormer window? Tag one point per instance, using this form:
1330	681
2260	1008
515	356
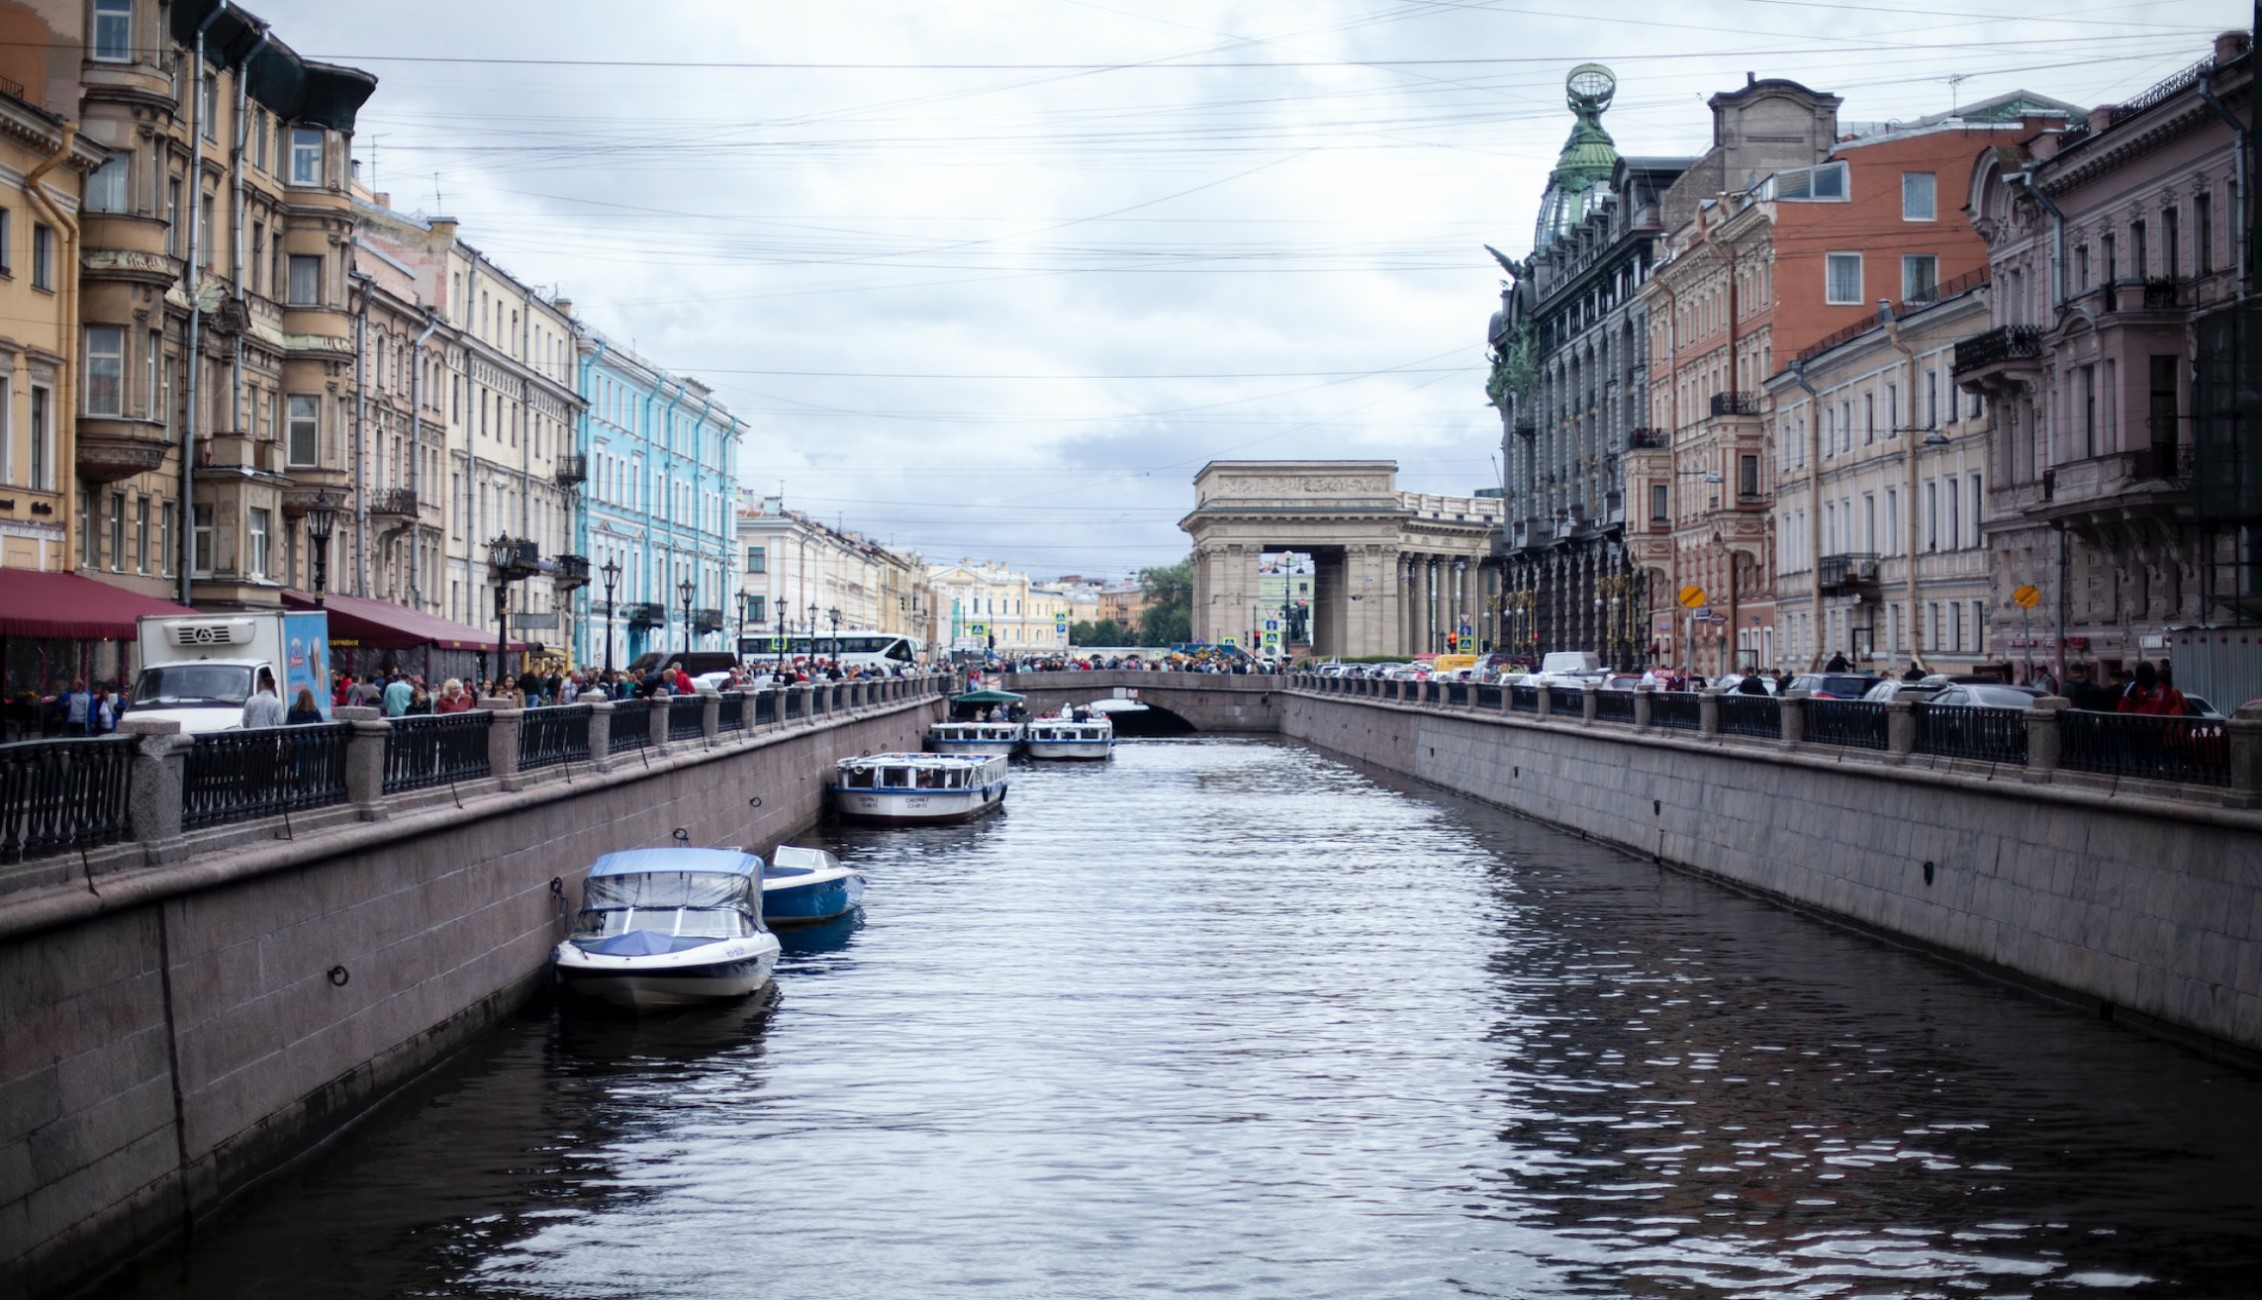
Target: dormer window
1823	184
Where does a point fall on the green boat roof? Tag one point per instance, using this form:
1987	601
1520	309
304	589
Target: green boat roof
988	697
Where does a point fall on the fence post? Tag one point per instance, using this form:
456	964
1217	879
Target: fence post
711	717
2045	736
155	784
365	761
601	734
1900	727
1507	697
1792	712
1645	701
2244	732
502	741
659	721
1546	701
1708	711
1588	704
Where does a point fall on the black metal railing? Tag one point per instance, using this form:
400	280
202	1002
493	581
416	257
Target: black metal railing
706	620
1456	694
1566	701
1488	697
57	795
1677	710
571	571
2003	343
573	467
1523	699
232	776
1735	403
765	708
794	703
2197	750
1967	731
632	726
393	501
1855	724
1848	570
732	715
643	613
1614	706
1751	715
560	734
1648	440
427	751
685	717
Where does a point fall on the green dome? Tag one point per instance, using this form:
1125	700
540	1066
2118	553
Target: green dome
1581	179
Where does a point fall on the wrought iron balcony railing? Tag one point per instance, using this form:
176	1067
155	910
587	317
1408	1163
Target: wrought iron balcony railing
706	620
1735	403
572	571
398	502
573	468
1998	345
644	614
1846	571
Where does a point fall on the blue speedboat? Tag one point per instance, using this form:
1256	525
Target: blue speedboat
805	886
669	928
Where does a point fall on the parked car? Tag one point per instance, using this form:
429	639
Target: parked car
1621	682
1989	695
1835	686
2195	707
1732	683
1888	689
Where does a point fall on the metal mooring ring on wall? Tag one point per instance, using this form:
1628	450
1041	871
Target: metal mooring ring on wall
754	802
340	976
682	836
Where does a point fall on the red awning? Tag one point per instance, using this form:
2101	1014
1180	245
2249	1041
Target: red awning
66	605
383	625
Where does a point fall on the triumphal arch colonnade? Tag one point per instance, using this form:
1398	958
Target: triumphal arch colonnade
1394	573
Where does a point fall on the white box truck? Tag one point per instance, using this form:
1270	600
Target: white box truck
198	669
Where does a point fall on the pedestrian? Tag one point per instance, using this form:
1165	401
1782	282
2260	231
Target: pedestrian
1751	685
2143	695
304	712
1914	673
2171	699
397	695
264	708
453	698
102	716
1837	663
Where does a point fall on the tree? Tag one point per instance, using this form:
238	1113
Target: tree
1169	615
1105	632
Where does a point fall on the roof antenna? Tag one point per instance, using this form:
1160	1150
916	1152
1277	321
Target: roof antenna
1954	80
439	205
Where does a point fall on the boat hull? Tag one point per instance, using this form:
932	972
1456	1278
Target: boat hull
808	904
1086	750
683	979
917	807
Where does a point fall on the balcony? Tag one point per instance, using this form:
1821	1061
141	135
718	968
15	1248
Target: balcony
706	620
110	449
1648	440
1735	403
644	614
573	469
1530	534
1847	573
2164	461
396	503
2002	346
2162	295
572	571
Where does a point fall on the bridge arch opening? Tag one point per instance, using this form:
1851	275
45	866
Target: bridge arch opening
1154	720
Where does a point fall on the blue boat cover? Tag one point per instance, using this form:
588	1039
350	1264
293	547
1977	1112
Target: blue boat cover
648	943
638	862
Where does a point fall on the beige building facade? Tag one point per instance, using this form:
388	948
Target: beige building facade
794	572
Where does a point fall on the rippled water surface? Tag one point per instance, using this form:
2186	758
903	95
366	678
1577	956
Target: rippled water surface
1232	1018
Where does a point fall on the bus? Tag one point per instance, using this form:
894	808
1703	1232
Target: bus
855	649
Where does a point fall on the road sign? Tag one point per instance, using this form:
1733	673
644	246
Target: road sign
977	629
1692	596
1060	619
1272	625
2026	597
777	643
1227	642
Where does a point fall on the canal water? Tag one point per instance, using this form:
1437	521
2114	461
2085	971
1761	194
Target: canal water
1233	1018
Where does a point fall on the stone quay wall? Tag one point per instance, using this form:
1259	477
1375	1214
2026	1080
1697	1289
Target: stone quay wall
184	1022
2140	904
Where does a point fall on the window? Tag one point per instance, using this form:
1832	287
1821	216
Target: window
255	544
2203	231
1825	184
756	560
42	257
259	138
1920	277
166	514
1658	515
209	239
7	242
2089	410
1931	515
2139	254
1869	417
306	429
306	280
1979	626
2081	269
113	31
105	370
757	609
141	535
173	218
1747	476
1954	527
306	156
1843	271
88	544
1931	399
117	532
42	455
1892	521
106	189
1917	197
2171	239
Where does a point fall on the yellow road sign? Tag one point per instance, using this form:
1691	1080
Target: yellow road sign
1692	596
2026	597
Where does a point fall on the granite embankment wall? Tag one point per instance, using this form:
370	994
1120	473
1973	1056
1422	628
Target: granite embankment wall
169	1033
2143	905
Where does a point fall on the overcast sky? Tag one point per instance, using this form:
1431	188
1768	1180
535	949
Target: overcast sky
994	278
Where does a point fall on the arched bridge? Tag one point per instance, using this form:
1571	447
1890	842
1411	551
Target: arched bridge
1178	701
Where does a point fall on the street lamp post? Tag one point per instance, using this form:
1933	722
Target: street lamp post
320	521
502	555
611	570
743	598
834	615
687	589
811	628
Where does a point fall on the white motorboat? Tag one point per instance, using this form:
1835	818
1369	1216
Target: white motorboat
804	886
910	789
669	927
1090	736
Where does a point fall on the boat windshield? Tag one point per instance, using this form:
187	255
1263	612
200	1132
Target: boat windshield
897	778
692	922
858	778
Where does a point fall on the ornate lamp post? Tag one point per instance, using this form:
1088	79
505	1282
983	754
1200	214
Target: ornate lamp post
611	569
687	589
811	628
502	556
743	598
834	614
321	520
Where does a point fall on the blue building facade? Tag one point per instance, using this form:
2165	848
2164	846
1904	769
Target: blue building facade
660	456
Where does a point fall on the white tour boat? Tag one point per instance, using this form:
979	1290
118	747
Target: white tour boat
910	789
1082	734
980	722
669	928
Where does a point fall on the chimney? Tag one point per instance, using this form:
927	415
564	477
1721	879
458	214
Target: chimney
1750	80
2230	45
382	200
1884	310
2101	118
564	306
443	227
